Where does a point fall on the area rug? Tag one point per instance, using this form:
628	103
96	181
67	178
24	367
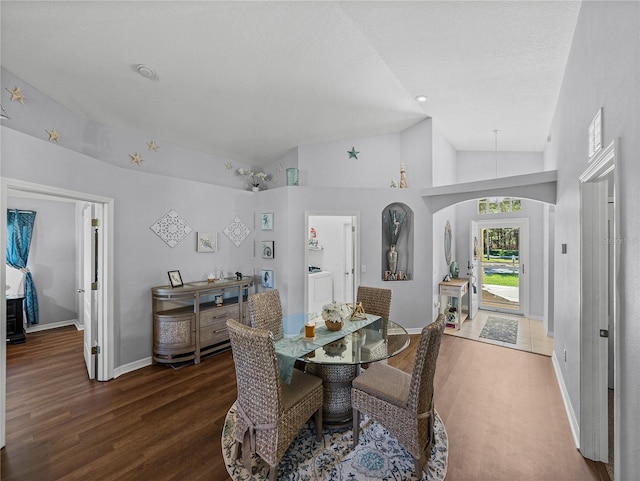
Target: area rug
499	329
378	455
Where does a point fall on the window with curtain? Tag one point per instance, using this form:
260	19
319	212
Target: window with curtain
19	231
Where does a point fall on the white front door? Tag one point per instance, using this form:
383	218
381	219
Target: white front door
475	253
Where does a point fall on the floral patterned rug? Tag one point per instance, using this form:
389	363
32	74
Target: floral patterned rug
499	329
378	455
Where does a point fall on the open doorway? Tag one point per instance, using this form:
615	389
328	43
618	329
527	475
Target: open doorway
102	335
331	258
502	266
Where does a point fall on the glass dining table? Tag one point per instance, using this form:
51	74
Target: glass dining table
337	357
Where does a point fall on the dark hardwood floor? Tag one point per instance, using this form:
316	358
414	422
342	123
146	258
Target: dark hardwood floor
501	407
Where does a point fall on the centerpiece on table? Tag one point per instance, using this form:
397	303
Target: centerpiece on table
333	315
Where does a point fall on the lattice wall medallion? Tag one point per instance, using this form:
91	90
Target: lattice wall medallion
237	231
171	228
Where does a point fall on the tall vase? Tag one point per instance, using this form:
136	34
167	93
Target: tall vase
392	259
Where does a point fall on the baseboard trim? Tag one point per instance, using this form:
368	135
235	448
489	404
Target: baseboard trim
132	366
53	325
571	415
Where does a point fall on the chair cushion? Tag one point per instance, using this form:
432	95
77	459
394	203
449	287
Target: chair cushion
385	382
300	386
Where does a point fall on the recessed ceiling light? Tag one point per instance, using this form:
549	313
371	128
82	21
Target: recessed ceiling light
146	72
422	98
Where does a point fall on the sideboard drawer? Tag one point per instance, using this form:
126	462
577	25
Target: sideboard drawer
214	315
214	333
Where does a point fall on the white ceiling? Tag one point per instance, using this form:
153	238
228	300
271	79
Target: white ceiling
251	80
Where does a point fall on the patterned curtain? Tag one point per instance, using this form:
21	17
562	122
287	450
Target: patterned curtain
19	231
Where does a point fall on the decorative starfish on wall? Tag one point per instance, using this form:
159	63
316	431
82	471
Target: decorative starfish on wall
54	136
152	146
136	158
228	165
353	153
16	95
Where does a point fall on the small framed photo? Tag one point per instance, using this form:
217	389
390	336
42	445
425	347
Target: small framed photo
175	279
268	250
266	221
207	242
266	278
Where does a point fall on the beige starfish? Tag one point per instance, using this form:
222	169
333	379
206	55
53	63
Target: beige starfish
54	136
16	95
136	158
228	165
153	146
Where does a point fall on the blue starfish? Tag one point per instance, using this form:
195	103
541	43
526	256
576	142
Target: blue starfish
353	153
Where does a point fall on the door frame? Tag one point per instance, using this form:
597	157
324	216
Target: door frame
523	282
105	331
355	257
594	275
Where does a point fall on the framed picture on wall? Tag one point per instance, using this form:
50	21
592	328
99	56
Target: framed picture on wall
268	249
207	242
175	279
266	278
266	221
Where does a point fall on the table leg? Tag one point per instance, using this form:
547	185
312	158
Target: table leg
336	384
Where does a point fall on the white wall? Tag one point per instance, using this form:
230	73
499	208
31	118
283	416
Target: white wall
474	166
444	159
603	70
52	257
328	164
416	152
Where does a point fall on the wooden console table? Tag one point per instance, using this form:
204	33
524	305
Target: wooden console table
458	288
189	322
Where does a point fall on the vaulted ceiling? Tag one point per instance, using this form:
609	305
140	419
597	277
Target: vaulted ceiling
251	80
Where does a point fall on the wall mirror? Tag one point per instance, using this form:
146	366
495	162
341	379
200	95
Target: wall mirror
447	243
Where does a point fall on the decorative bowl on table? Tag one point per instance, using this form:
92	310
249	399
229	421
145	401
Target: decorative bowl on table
332	314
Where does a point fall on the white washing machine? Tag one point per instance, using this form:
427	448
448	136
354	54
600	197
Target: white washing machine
320	290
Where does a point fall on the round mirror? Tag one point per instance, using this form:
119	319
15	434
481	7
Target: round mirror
447	243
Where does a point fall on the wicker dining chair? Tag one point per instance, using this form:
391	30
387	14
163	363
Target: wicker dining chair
375	300
265	312
269	413
401	402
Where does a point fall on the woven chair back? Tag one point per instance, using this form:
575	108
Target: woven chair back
257	372
424	367
265	312
375	300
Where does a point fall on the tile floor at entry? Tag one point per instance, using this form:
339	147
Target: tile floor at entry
531	333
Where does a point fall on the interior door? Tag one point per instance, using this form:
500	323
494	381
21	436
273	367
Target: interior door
91	267
349	274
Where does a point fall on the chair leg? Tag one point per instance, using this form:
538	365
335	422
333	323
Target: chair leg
418	464
356	427
318	421
273	472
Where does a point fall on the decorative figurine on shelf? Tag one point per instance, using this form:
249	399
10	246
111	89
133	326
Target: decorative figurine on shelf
403	176
211	277
238	276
